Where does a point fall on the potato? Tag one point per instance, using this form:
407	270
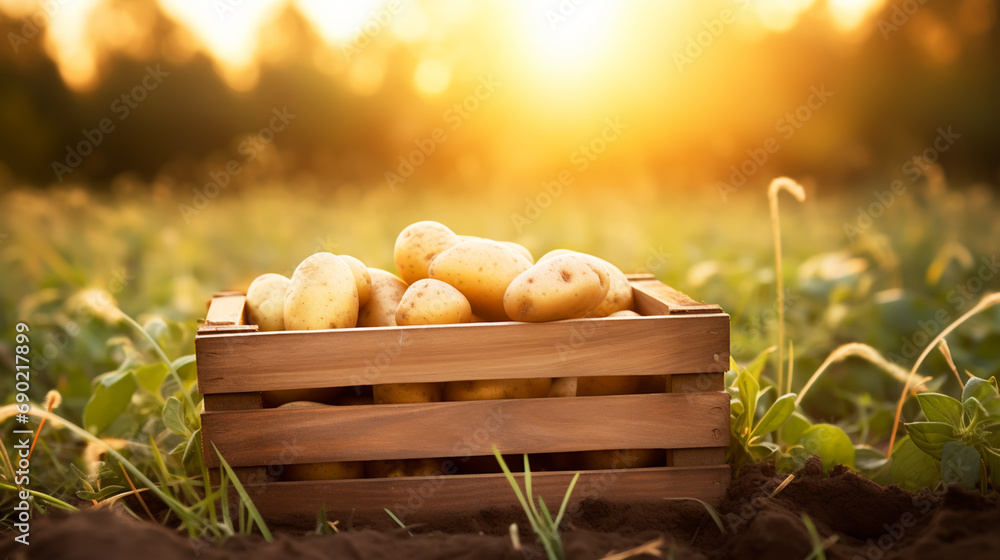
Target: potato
387	290
361	278
623	459
432	302
481	270
322	294
563	287
300	405
489	389
403	467
625	313
607	385
417	245
266	301
619	296
324	471
397	393
520	249
273	399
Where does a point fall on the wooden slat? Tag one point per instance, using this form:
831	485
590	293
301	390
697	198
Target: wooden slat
446	429
694	384
651	295
435	353
423	499
228	308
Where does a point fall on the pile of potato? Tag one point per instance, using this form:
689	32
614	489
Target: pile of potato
444	278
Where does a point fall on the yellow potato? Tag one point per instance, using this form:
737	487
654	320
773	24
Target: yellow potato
266	302
623	459
322	294
563	287
324	471
300	405
489	389
403	467
625	313
361	277
397	393
520	249
273	399
607	385
619	296
432	302
417	245
481	270
387	290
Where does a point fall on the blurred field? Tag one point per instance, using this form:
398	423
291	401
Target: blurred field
927	257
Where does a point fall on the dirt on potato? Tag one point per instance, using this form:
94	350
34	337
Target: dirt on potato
855	518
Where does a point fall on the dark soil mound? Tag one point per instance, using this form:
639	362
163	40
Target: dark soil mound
855	517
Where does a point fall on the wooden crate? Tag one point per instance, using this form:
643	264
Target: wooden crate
678	337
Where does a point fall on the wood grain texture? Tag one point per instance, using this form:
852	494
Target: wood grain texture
227	308
692	384
457	429
651	294
435	353
422	499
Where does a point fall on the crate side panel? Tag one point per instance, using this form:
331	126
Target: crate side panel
308	359
421	499
455	429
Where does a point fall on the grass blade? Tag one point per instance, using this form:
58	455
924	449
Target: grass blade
244	497
711	512
565	502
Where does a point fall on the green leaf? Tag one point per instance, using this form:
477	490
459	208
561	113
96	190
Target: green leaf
749	389
111	397
791	432
775	416
757	364
992	458
982	389
930	437
735	408
173	417
975	413
830	443
959	465
912	469
151	376
105	492
867	458
941	408
763	450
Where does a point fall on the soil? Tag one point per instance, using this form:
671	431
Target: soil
855	519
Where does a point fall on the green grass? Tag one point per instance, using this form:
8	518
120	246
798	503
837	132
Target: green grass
73	259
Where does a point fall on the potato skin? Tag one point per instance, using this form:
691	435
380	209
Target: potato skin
564	287
322	294
398	393
273	399
489	389
625	313
266	301
520	249
361	277
387	290
607	385
619	296
324	471
432	302
417	245
481	270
